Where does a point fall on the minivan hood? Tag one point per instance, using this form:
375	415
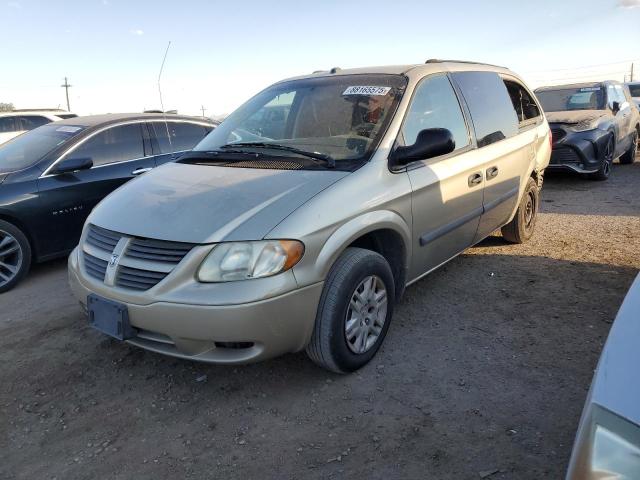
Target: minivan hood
207	204
575	116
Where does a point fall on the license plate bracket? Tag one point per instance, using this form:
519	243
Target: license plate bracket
109	317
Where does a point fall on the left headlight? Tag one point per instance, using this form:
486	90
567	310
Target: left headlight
232	261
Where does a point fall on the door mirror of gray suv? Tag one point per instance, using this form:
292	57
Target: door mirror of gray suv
615	106
70	165
430	142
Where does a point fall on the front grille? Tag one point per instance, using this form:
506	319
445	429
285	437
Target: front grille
563	156
557	134
94	266
143	264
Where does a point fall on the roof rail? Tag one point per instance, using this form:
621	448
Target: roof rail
438	60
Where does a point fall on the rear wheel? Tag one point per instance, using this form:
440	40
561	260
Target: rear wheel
15	256
354	312
630	155
607	161
520	229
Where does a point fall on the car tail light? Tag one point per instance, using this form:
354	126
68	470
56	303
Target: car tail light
550	139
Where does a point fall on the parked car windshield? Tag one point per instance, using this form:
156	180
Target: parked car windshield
564	99
26	149
635	90
342	117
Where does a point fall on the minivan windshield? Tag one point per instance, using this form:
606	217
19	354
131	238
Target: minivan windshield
565	99
26	149
635	90
324	121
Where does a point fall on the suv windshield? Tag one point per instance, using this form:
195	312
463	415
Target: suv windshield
340	118
635	90
26	149
564	99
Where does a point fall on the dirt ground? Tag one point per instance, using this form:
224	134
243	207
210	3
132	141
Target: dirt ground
483	373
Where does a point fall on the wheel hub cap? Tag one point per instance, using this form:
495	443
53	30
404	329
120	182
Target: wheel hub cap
366	314
10	257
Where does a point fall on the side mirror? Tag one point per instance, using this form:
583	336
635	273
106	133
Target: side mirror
615	106
70	165
431	142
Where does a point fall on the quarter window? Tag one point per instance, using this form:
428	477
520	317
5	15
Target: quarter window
435	105
184	136
524	105
29	122
115	144
492	112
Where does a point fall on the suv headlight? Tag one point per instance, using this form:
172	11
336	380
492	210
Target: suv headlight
613	456
584	125
232	261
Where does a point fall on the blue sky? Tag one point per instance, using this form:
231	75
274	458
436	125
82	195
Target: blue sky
224	52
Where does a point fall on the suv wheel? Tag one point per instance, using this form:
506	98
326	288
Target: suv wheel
630	155
607	161
354	312
15	256
520	229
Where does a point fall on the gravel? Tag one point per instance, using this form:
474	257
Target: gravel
483	373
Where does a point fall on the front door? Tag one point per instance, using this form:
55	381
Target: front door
447	190
118	153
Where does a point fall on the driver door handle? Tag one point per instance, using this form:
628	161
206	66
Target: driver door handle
492	172
139	171
475	179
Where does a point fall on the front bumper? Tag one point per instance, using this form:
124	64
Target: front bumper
229	334
580	152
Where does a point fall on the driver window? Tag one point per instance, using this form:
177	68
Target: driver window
435	105
117	144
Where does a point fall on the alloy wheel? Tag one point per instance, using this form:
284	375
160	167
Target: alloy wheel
529	209
10	257
608	157
366	314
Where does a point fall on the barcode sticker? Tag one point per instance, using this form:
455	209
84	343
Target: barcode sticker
366	90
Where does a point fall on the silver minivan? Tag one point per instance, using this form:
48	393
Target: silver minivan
299	221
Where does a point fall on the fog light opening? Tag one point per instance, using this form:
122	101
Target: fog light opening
234	345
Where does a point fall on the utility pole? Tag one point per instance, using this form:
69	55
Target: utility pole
66	87
631	79
203	110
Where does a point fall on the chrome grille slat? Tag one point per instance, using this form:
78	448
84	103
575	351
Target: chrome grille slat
144	263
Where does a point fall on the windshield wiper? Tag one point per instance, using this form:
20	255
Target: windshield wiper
330	161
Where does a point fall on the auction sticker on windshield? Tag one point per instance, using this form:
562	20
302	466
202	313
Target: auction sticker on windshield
366	90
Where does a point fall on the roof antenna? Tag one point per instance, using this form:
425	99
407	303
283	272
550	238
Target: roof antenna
164	115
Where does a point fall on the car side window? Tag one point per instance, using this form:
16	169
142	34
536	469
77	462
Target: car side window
184	136
7	124
435	105
525	106
620	94
29	122
492	112
116	144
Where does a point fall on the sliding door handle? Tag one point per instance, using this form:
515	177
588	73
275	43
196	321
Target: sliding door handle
475	179
138	171
492	172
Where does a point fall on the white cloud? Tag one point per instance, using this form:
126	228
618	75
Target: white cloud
137	32
629	3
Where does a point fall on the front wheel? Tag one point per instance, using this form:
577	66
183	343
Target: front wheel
15	256
520	229
354	312
607	161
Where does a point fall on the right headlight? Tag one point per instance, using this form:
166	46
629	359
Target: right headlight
233	261
613	457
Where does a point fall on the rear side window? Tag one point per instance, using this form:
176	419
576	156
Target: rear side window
29	122
184	136
115	144
8	124
435	105
492	112
523	103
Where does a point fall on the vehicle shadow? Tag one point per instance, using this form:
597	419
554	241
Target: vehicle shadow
484	347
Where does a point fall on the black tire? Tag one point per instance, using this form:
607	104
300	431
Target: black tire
520	229
630	155
15	256
606	162
329	346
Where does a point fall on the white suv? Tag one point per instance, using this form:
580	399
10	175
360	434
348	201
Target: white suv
14	123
